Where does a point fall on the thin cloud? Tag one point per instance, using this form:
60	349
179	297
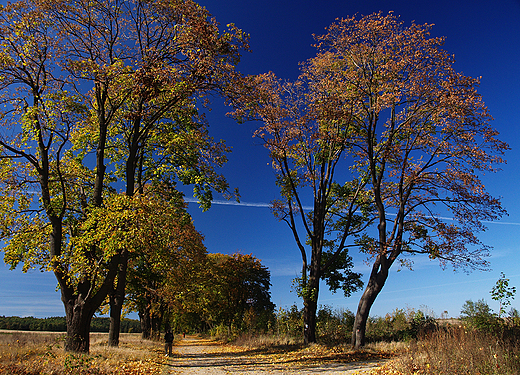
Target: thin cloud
231	203
268	205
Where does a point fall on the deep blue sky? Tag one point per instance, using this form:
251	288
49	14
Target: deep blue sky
484	36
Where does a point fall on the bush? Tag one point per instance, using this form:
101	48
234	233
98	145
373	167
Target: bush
422	325
478	315
334	327
289	323
394	326
400	325
224	332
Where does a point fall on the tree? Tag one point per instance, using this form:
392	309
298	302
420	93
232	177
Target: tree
238	283
415	135
167	252
421	135
180	57
309	154
503	293
478	315
42	181
73	72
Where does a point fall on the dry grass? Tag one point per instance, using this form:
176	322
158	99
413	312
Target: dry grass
30	353
457	351
282	350
255	341
266	341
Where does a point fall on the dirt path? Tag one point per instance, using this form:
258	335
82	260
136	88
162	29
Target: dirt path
204	357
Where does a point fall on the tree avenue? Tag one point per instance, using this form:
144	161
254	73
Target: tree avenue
415	134
93	92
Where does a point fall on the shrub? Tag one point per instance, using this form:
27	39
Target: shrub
422	325
400	325
289	322
334	327
478	315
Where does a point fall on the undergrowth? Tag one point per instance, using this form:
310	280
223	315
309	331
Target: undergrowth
458	350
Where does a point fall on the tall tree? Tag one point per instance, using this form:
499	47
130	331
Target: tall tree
421	135
180	57
72	73
309	153
42	176
237	283
414	134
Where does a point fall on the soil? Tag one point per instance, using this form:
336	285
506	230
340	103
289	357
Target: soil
196	356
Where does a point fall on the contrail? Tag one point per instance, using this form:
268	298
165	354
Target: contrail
231	203
268	205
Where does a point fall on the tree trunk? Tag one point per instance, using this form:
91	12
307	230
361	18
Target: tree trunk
310	305
375	285
79	314
115	320
309	321
80	306
146	324
117	298
156	326
311	290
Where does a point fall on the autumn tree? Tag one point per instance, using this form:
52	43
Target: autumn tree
180	58
41	181
73	73
166	252
414	133
421	135
309	154
234	287
200	291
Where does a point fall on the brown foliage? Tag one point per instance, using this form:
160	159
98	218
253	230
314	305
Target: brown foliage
382	106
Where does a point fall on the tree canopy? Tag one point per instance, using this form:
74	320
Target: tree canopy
413	135
92	91
102	118
421	135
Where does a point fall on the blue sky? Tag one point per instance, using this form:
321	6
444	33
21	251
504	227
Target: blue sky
484	36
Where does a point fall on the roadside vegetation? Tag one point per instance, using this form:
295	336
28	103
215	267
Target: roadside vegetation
458	350
480	342
38	353
334	327
410	341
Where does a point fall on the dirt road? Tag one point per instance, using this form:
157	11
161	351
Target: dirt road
203	357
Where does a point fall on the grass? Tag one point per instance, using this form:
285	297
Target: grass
31	353
448	351
457	350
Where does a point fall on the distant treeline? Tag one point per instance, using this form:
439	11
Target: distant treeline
57	324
